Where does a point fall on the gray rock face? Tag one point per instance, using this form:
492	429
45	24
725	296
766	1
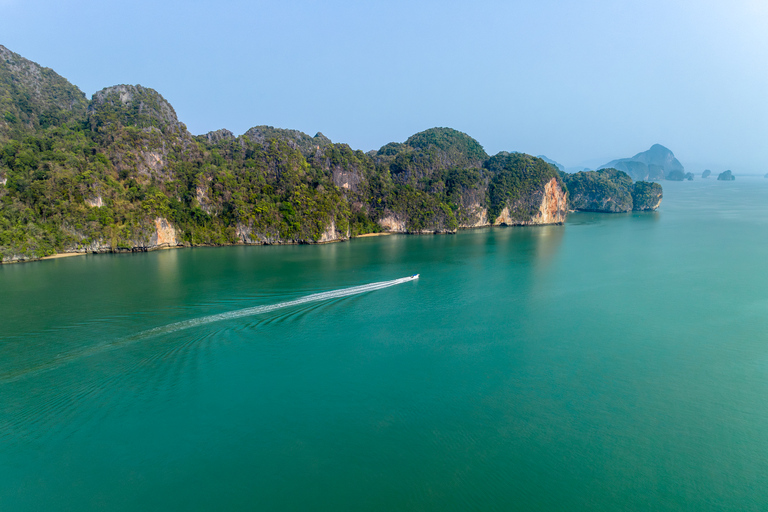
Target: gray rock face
296	139
219	135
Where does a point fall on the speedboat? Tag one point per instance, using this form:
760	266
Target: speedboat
415	276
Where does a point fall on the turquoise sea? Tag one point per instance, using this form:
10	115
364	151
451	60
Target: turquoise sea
618	362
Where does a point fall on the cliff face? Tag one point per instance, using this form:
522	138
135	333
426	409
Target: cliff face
554	204
552	209
164	236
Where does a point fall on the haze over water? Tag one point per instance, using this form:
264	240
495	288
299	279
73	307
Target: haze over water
619	362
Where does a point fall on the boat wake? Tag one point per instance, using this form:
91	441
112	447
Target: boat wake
196	322
258	310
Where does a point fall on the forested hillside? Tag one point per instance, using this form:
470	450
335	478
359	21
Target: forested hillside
122	173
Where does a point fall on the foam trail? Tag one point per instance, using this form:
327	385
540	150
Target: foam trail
195	322
257	310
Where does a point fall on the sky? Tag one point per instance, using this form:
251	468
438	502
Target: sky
582	82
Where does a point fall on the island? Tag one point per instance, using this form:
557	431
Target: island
726	176
120	172
611	191
656	163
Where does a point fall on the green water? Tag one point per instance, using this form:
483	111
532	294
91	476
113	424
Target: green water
619	362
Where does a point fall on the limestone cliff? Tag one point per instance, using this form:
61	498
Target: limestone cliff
393	224
250	235
554	204
164	236
552	209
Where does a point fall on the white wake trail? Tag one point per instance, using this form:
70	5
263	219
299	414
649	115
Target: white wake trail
195	322
257	310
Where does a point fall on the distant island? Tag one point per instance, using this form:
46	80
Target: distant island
121	173
726	176
706	173
657	163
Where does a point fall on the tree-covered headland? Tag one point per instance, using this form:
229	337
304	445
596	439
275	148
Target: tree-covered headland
120	172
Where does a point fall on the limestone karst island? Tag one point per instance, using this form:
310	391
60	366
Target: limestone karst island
121	173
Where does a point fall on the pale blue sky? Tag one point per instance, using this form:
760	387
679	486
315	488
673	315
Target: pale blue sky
582	82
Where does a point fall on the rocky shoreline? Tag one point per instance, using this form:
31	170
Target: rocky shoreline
187	245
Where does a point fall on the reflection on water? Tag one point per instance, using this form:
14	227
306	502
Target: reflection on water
167	269
548	241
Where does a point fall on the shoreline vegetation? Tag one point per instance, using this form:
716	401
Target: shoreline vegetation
120	173
182	246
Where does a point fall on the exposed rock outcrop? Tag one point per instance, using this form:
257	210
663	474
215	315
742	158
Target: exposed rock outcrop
553	208
219	135
165	235
331	234
296	139
247	235
393	224
477	216
95	201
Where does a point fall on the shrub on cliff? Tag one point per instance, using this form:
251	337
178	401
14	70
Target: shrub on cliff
646	196
606	190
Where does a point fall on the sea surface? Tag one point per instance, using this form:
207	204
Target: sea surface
618	362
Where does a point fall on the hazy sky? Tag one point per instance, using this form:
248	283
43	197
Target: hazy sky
582	82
